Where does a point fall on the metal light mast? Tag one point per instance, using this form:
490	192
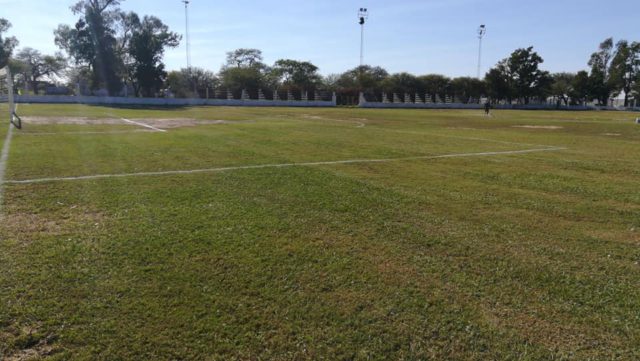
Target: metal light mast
482	30
186	18
363	15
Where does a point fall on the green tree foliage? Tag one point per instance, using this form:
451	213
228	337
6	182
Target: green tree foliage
38	66
115	46
519	77
625	68
148	40
237	79
467	88
6	44
365	78
244	58
528	80
190	83
299	75
401	83
499	83
600	83
435	84
580	87
562	86
93	43
245	70
635	90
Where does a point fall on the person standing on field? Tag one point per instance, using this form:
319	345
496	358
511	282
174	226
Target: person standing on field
487	108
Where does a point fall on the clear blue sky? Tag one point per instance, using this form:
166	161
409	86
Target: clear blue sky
418	36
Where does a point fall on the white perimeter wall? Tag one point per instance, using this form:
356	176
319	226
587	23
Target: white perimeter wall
56	99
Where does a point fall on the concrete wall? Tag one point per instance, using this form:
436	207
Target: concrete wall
377	105
54	99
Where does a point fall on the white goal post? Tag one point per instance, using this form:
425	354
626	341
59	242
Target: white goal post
7	96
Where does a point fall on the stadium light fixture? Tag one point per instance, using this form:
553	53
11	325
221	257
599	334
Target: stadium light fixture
363	16
482	31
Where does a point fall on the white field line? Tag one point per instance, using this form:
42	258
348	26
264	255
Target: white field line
282	165
4	157
144	125
89	133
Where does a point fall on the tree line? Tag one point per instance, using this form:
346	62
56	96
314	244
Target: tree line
110	51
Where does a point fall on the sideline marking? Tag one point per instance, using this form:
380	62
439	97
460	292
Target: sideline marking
283	165
4	156
144	125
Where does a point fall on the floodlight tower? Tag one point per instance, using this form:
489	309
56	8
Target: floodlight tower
482	31
186	20
363	16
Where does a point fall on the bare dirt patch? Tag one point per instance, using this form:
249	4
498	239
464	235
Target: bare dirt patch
26	226
26	343
185	122
549	127
169	123
612	134
71	120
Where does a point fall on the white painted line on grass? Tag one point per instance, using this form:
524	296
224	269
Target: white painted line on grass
283	165
89	133
4	157
144	125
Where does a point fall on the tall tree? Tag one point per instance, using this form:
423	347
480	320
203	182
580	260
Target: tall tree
499	83
625	68
245	70
599	79
562	86
149	38
244	58
93	42
580	87
519	76
6	44
636	91
528	80
40	66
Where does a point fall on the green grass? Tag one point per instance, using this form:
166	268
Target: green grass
509	257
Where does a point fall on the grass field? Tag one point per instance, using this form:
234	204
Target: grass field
336	234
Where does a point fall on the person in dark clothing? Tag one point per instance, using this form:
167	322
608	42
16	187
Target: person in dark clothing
487	108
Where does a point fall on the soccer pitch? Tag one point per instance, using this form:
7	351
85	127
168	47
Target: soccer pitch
279	233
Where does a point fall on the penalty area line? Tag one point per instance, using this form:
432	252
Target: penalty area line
143	125
282	165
